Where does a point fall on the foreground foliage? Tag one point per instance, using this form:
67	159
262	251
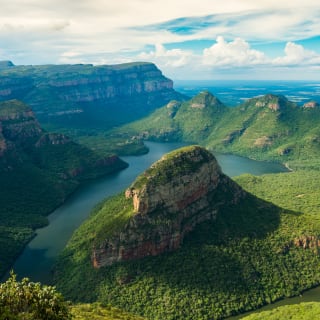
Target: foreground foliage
27	300
301	311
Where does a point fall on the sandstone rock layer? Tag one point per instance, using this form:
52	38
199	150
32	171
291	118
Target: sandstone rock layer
184	188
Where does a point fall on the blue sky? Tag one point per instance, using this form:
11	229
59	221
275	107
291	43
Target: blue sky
187	39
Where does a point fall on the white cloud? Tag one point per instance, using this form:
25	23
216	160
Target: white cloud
296	54
100	31
234	53
172	58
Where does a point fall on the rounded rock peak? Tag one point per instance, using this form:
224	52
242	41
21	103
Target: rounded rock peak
205	99
180	162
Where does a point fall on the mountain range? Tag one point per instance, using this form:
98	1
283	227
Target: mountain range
269	127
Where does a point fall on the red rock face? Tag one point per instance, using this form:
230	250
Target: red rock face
274	106
311	105
165	213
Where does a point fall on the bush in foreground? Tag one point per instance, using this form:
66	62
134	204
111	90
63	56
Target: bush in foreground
27	300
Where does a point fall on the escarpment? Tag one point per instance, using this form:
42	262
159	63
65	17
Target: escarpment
74	93
184	188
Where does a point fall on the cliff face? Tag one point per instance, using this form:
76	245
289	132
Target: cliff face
58	92
18	124
183	189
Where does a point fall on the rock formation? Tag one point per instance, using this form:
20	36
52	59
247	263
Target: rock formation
18	123
273	102
184	188
76	91
311	105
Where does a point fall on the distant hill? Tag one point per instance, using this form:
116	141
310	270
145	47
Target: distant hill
266	128
87	96
186	242
38	170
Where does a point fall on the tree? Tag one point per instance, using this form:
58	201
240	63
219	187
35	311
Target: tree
27	300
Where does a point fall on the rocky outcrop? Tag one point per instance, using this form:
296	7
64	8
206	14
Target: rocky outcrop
18	123
311	105
270	101
307	242
184	188
52	139
75	91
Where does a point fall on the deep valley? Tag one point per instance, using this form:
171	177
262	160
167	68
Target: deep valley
184	241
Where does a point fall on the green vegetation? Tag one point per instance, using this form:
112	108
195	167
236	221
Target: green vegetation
244	259
96	311
108	218
298	191
265	128
105	143
301	311
27	300
38	172
190	121
172	164
248	257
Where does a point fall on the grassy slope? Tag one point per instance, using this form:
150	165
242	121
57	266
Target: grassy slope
189	121
301	311
96	311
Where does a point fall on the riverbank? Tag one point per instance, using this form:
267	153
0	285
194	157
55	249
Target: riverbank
20	224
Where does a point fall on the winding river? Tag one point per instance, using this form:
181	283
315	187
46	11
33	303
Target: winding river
37	259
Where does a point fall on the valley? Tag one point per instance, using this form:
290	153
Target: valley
230	247
37	259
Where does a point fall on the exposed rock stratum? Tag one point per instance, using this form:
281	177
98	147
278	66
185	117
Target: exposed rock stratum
184	188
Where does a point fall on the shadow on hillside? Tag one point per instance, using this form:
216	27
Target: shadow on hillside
252	217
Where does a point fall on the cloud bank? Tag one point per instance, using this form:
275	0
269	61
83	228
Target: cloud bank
184	37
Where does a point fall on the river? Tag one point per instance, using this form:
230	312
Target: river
37	259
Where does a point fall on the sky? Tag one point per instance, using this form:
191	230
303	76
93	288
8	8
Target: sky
186	39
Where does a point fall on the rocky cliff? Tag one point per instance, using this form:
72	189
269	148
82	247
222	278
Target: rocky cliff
184	188
18	125
74	92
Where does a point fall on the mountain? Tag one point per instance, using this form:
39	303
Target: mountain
267	128
38	170
186	242
191	120
167	202
87	95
